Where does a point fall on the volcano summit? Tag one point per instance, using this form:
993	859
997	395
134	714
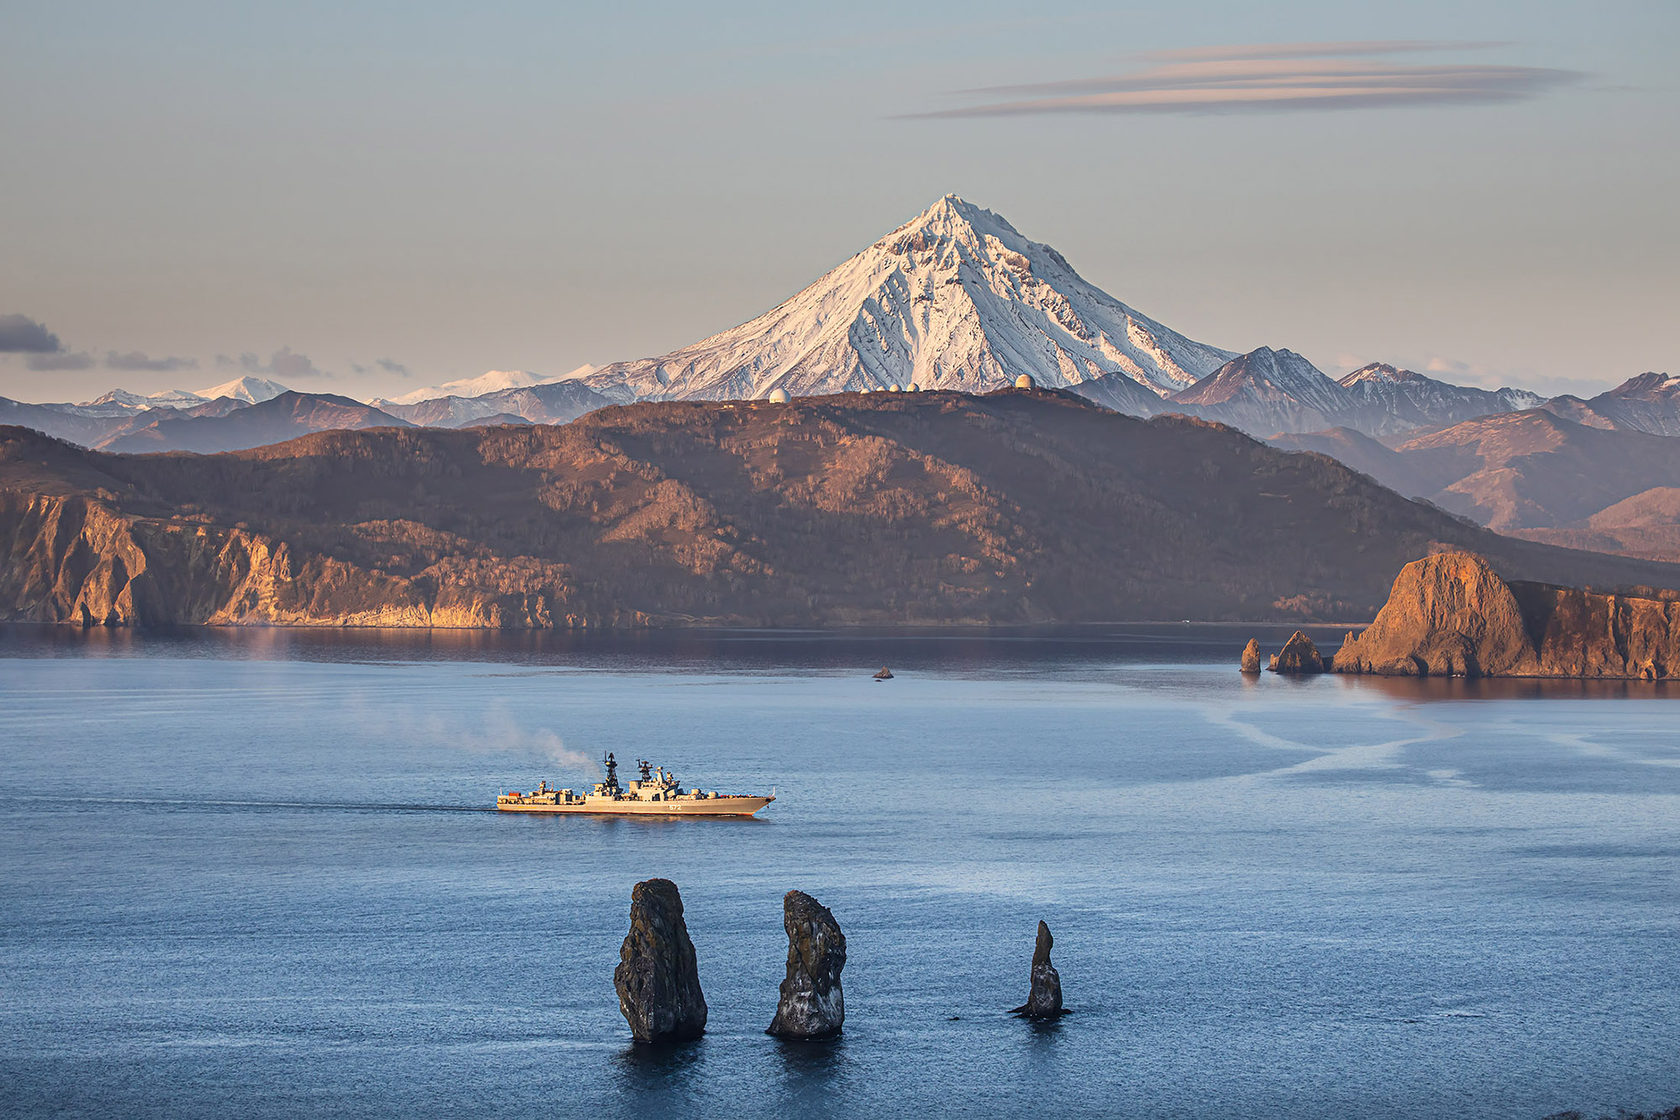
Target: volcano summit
954	299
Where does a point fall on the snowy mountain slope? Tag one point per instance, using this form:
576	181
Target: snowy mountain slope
169	398
551	402
1384	400
494	381
1647	403
1267	391
1119	392
954	299
251	390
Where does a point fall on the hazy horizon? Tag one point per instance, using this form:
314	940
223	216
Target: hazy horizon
372	200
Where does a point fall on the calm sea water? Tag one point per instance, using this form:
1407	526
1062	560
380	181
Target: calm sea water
251	874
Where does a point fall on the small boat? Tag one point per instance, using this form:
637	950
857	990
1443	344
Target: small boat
655	793
884	675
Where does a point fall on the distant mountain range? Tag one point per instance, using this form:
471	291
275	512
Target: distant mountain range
1012	507
1532	473
957	298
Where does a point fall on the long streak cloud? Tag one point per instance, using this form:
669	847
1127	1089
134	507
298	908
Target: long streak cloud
1272	77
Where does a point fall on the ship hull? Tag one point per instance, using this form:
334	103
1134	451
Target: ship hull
709	807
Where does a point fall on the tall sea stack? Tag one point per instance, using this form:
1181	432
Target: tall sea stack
657	978
1044	999
811	1005
1251	656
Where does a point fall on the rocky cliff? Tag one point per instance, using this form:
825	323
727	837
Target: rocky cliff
1013	507
1452	615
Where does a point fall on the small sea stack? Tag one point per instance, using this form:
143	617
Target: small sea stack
1044	999
812	1005
884	675
1251	656
1298	656
657	978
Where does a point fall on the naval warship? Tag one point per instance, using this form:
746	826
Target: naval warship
656	793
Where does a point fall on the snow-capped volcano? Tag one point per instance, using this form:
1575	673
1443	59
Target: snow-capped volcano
954	299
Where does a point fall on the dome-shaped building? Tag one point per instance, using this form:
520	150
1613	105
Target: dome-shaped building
778	395
1025	381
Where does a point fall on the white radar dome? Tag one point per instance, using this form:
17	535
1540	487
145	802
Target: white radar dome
1024	381
778	396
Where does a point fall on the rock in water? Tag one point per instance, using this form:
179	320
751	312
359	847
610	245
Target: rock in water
1452	615
657	979
812	1005
1298	655
1044	1001
1251	656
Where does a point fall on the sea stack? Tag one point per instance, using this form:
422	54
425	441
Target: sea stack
1044	1000
1298	655
657	978
1251	656
812	1005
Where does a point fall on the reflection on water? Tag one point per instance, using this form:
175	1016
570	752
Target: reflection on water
1512	688
948	648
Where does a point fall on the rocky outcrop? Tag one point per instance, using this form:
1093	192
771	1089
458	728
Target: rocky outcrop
1298	655
1044	998
811	1005
1453	615
657	978
1251	656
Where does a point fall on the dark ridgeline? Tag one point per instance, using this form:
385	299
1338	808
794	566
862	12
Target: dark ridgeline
886	508
811	1005
1044	997
657	977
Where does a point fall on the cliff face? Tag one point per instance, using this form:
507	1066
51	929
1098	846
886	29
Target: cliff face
1452	615
1016	507
72	559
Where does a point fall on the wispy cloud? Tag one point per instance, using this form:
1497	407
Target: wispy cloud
19	334
383	365
285	365
136	361
63	360
1271	78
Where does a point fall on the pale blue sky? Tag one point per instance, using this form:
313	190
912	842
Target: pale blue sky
495	186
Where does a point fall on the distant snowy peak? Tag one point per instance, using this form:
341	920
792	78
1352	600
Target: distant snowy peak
251	390
494	381
956	298
1386	400
169	398
1649	403
1275	379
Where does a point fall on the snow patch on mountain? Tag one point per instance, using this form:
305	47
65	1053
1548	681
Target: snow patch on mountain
251	390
